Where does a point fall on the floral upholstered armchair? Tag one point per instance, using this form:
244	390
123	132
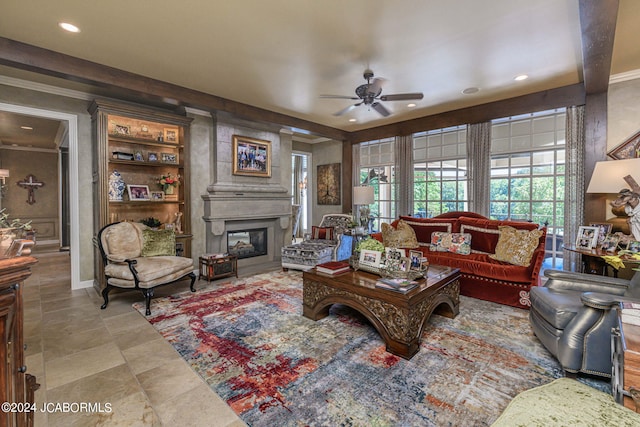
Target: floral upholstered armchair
136	257
326	242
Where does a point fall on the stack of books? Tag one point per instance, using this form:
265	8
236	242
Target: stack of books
333	267
630	313
216	255
397	285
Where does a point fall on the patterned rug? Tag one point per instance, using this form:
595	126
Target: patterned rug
248	340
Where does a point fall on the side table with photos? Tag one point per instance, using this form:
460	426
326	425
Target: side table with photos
217	266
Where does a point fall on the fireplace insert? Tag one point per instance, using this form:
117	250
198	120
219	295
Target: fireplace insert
247	243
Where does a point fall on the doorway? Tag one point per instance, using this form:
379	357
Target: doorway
70	176
300	185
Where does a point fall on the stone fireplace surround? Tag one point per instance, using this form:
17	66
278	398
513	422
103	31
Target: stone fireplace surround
234	207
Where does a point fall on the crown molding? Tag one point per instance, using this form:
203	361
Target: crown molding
41	87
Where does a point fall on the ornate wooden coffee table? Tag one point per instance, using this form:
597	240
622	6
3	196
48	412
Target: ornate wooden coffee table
399	318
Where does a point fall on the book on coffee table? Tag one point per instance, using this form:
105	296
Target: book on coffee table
333	267
398	285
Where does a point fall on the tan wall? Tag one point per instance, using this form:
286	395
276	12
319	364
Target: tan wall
44	212
623	111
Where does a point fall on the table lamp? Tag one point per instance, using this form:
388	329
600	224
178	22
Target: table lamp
363	197
610	177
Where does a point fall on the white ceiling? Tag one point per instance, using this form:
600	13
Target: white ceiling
280	55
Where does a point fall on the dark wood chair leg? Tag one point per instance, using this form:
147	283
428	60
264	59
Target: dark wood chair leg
105	296
193	280
148	293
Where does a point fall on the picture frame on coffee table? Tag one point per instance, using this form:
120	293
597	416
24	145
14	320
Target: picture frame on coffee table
370	259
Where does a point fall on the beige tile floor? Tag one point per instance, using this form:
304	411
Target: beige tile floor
80	353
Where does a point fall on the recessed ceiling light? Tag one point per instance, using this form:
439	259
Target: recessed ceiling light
352	120
521	77
26	127
411	105
68	27
471	90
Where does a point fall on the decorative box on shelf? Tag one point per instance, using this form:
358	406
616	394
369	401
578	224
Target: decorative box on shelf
216	266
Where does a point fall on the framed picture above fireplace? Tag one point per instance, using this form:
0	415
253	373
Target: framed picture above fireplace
251	157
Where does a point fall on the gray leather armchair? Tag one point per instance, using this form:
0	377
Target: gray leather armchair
572	315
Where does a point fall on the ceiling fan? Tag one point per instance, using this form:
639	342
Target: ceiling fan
369	94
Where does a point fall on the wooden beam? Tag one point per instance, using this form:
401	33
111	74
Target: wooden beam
598	24
553	98
31	58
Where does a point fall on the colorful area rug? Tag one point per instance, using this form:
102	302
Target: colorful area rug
248	340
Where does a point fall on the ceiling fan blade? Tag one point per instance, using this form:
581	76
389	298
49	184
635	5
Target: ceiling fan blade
402	96
375	87
346	110
380	109
338	97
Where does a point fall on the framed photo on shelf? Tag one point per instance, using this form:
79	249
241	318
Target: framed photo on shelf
138	157
587	237
604	228
610	243
138	192
170	135
370	258
157	195
169	158
152	157
251	157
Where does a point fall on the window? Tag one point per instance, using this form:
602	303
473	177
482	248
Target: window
527	174
377	170
440	171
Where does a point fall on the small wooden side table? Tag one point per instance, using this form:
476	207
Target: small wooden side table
215	268
625	376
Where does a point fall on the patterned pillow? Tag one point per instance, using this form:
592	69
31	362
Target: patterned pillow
325	233
516	246
401	237
457	243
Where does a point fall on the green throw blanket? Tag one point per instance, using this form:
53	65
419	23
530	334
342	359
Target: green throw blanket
566	402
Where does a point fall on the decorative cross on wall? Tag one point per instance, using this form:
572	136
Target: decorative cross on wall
30	183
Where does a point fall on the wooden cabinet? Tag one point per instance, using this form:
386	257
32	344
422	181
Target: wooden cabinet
625	378
141	145
16	386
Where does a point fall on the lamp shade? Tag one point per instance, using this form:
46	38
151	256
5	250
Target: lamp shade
4	173
363	195
608	176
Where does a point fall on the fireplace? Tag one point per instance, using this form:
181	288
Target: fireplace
247	243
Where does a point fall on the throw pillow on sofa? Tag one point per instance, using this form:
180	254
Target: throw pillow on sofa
401	237
457	243
324	233
516	246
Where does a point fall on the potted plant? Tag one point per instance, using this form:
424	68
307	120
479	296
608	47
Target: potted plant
11	229
151	222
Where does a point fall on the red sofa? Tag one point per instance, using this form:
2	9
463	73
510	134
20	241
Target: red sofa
481	276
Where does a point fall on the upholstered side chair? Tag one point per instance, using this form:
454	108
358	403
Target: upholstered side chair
572	314
138	258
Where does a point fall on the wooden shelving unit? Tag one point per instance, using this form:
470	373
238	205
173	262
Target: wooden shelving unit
157	142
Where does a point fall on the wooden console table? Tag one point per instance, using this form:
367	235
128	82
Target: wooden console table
592	260
625	376
17	387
